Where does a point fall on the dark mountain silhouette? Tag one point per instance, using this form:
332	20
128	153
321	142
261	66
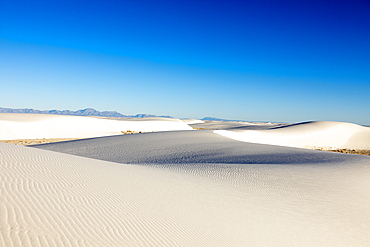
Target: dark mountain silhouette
83	112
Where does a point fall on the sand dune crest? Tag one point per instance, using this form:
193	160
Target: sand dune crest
32	126
319	134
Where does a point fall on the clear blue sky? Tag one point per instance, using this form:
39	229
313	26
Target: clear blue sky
287	61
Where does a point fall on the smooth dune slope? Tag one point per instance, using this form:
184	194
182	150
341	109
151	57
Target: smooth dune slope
192	121
228	125
202	146
31	126
55	199
319	134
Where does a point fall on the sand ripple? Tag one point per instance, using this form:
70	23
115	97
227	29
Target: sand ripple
54	199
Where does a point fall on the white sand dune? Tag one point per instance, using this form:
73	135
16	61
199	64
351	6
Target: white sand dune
192	121
55	199
188	147
31	126
319	134
228	125
184	188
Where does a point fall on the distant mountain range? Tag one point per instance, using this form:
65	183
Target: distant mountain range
84	112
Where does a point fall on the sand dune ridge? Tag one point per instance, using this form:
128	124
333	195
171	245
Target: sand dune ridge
316	134
32	126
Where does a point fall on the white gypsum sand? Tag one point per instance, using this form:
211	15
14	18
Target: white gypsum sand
187	147
31	126
316	135
55	199
234	125
192	121
184	188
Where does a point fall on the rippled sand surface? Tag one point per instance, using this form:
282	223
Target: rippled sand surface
181	188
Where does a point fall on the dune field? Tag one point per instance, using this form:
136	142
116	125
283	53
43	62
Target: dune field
226	184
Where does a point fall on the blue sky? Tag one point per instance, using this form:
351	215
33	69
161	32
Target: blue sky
287	61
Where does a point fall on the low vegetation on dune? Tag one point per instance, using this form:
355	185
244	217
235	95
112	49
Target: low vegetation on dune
25	142
127	132
349	151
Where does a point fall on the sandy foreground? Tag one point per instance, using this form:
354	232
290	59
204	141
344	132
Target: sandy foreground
182	188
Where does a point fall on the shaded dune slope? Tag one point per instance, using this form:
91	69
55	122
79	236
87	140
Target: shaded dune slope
187	147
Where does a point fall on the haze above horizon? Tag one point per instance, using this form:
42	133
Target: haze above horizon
289	61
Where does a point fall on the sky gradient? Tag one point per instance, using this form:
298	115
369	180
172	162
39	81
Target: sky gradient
290	61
